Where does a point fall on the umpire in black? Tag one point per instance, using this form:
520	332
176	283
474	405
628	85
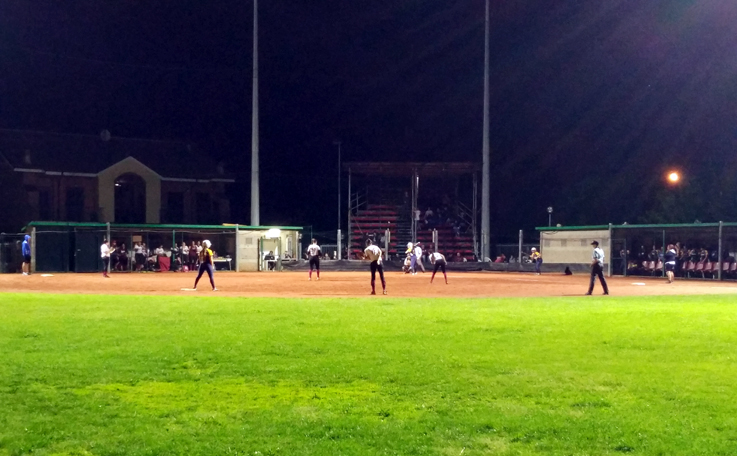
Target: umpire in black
597	268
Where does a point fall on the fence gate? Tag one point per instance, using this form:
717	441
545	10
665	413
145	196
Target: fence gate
10	252
87	250
619	257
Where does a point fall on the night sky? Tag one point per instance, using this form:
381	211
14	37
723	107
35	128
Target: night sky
591	102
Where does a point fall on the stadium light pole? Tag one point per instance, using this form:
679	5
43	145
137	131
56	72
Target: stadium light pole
485	235
338	143
254	125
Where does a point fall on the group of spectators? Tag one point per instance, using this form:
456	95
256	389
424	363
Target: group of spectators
439	217
637	262
180	257
502	258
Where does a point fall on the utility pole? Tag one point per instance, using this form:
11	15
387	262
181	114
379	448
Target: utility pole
338	143
255	210
485	216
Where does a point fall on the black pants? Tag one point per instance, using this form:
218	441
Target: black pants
596	270
439	264
205	267
315	263
105	264
375	266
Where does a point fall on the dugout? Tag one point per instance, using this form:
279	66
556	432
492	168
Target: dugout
75	247
638	249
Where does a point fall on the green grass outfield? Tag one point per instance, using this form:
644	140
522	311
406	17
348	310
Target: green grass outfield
166	375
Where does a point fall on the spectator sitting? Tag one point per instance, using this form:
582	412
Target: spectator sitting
270	260
428	215
500	259
152	262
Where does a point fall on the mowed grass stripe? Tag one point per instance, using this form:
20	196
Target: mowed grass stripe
140	375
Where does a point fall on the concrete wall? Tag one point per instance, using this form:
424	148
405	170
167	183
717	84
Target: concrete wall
106	189
572	247
248	247
247	250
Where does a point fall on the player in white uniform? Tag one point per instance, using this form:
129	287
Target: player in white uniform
438	260
373	254
313	251
105	256
418	258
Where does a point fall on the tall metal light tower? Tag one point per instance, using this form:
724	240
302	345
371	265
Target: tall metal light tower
254	125
485	234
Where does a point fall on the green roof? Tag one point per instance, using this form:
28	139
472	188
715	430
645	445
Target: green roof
158	226
606	227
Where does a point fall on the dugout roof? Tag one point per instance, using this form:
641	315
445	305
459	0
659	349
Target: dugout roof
401	169
152	227
637	227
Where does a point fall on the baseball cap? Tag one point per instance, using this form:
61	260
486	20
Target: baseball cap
595	243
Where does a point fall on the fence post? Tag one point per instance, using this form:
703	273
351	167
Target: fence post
108	239
33	251
340	246
237	249
719	258
435	239
665	246
387	241
611	255
519	253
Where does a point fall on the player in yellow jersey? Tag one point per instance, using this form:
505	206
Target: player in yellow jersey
536	259
206	264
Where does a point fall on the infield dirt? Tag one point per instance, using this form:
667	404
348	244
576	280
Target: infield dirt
352	284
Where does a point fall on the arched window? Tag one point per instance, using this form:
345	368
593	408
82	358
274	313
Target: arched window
130	199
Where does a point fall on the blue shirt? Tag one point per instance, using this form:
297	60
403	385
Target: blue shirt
26	247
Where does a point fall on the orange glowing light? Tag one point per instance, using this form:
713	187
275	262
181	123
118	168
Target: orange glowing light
674	177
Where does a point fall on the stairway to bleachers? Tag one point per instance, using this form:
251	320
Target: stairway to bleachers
371	222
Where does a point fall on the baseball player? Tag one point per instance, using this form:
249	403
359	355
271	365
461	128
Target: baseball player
105	257
438	261
536	258
373	254
597	268
407	265
670	262
418	258
313	251
206	264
